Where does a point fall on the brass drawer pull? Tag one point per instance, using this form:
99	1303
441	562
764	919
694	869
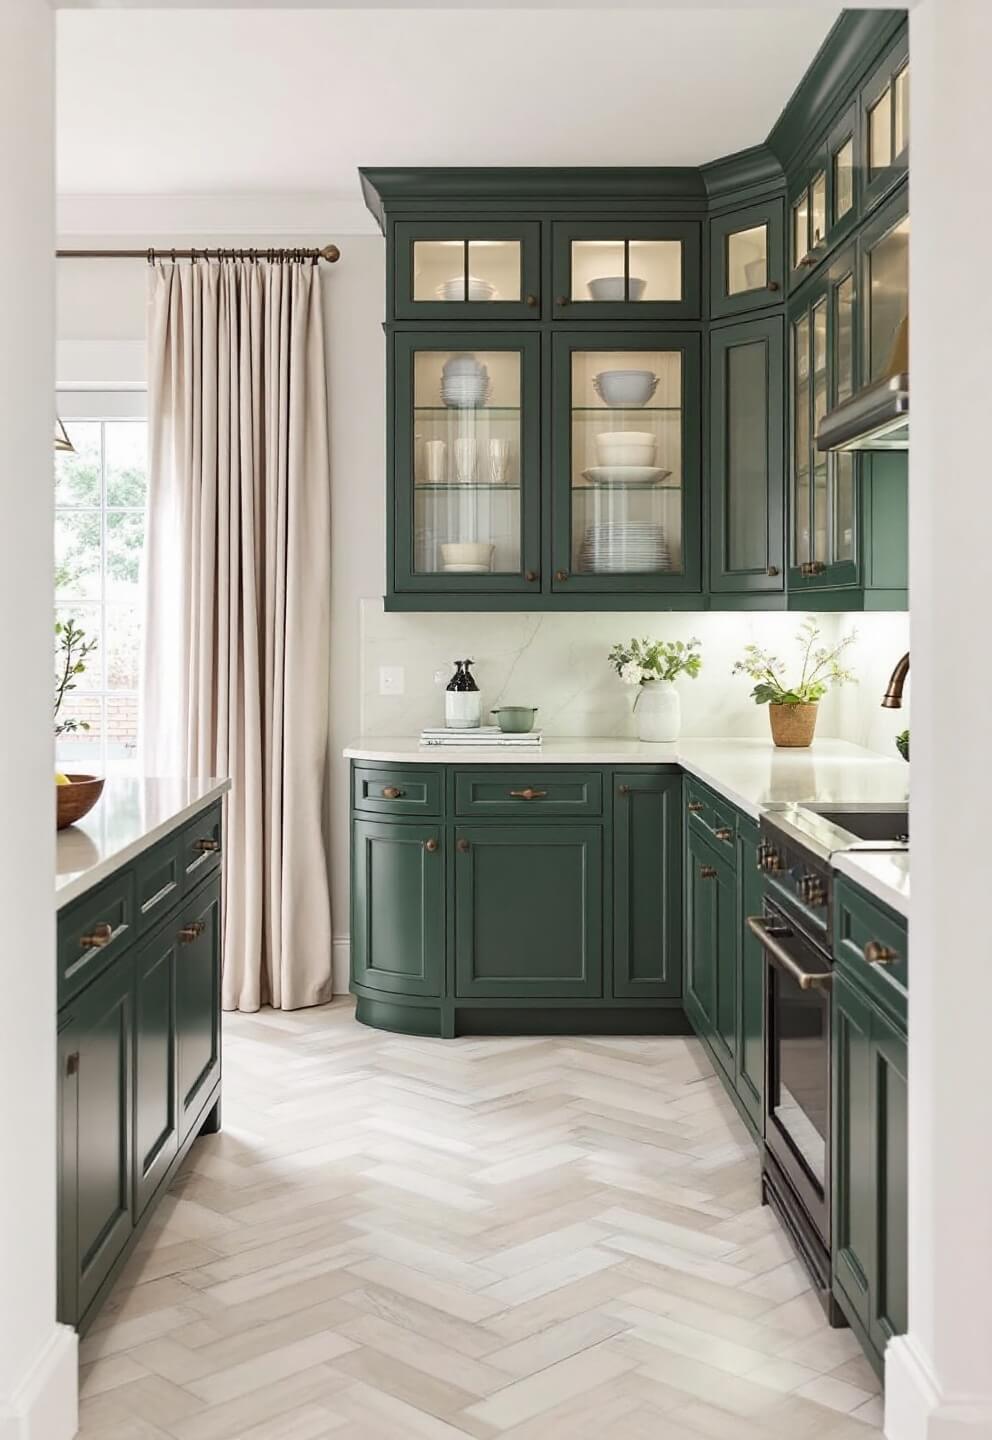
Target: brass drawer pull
707	872
206	846
528	794
99	936
430	845
694	807
191	932
878	954
391	793
72	1063
722	832
463	846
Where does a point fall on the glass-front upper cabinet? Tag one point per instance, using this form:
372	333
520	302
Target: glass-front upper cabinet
885	122
467	463
885	277
824	371
747	260
823	199
626	500
489	271
611	271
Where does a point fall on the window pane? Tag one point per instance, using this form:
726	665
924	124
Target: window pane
125	539
77	477
597	270
81	751
87	619
880	133
819	208
77	554
655	270
800	227
122	647
844	179
127	462
901	118
747	260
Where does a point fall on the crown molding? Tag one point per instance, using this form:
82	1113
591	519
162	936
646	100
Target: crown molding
158	217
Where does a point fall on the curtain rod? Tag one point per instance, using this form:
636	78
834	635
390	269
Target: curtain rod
330	253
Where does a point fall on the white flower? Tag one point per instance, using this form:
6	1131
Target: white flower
632	673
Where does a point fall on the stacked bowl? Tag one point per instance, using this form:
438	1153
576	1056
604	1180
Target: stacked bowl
454	289
633	388
465	383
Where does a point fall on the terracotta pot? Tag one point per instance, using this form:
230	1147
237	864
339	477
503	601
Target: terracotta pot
792	724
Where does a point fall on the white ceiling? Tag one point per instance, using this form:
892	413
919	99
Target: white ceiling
236	102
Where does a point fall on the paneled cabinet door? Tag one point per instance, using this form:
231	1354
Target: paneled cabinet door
884	104
529	910
751	982
481	270
711	949
641	270
95	1101
747	499
466	462
747	259
156	1121
198	938
647	881
397	923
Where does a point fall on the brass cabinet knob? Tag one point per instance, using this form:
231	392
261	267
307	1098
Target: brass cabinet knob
206	845
191	932
532	301
811	890
770	860
878	954
561	575
772	570
390	792
812	567
694	807
100	935
623	789
707	872
528	794
72	1063
722	832
561	301
430	845
772	286
463	846
530	576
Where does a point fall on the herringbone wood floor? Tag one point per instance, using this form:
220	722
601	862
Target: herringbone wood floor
532	1239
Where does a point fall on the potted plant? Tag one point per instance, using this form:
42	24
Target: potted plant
792	709
653	666
75	795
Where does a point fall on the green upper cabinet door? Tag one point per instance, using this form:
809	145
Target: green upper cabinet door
626	508
884	111
747	259
617	270
467	463
824	198
647	879
529	911
397	899
747	479
479	270
199	940
156	1123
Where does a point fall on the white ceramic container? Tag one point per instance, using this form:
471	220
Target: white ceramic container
659	711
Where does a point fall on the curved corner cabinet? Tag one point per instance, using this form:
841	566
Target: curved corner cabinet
511	898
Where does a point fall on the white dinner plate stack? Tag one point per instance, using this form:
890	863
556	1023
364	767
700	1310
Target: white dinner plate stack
624	547
454	289
465	383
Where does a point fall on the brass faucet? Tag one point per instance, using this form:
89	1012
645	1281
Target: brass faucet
892	699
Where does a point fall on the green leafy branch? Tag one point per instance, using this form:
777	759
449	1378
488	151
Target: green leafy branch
71	651
821	668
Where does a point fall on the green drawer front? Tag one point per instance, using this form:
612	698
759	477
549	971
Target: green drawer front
158	879
860	924
94	931
523	792
201	846
398	792
712	818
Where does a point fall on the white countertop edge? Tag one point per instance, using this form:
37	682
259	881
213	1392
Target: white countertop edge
885	875
78	883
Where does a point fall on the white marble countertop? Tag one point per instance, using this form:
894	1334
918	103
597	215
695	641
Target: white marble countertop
883	873
130	816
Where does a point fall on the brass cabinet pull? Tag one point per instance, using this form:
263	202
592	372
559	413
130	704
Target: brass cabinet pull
772	286
191	932
532	301
561	301
812	567
722	832
100	935
528	794
206	845
561	575
707	872
878	954
623	789
430	845
694	807
531	576
463	846
72	1063
391	793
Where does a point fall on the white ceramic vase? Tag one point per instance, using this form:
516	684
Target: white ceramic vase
658	711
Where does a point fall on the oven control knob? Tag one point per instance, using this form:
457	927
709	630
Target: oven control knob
768	858
811	891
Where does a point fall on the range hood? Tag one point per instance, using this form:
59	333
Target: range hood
877	416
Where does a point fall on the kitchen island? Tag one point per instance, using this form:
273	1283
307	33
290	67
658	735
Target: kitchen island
139	962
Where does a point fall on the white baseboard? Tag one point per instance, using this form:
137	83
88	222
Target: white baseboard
917	1409
45	1405
341	963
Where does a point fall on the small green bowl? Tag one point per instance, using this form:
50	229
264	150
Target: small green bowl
515	719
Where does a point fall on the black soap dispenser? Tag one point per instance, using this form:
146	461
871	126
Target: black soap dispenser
462	701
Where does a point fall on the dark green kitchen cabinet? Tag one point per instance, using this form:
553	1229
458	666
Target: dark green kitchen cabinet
824	196
95	1056
620	269
647	869
487	270
746	466
198	966
747	259
397	897
884	108
750	1076
156	1110
711	949
528	910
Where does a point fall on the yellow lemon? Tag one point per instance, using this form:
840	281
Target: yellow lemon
61	779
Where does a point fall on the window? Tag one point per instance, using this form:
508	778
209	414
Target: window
100	495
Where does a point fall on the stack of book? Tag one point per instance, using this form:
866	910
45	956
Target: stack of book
484	735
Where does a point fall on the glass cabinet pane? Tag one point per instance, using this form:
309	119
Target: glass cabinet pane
626	271
598	269
747	457
880	132
800	227
844	344
801	456
900	117
843	516
820	406
747	259
626	462
459	270
819	207
843	163
655	268
888	295
467	462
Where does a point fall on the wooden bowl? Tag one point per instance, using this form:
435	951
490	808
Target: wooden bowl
77	799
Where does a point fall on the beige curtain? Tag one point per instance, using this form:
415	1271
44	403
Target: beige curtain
237	624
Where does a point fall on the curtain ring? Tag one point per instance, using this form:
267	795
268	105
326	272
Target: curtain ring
150	255
173	256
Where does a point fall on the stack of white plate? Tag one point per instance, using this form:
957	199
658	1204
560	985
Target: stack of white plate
624	547
464	382
454	289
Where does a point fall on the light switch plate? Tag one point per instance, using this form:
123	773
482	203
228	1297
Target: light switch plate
391	679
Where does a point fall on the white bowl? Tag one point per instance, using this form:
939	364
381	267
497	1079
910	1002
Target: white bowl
610	287
626	447
454	289
625	387
465	553
463	365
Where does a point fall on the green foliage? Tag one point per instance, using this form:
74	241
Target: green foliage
71	650
821	668
902	743
640	661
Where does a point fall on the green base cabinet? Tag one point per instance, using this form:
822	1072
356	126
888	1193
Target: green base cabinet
156	1100
397	924
711	949
647	885
750	1076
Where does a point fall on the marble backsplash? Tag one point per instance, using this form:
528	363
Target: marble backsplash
558	662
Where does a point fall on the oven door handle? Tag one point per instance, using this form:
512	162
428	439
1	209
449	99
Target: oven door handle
805	979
